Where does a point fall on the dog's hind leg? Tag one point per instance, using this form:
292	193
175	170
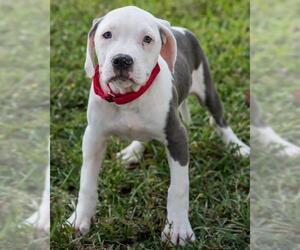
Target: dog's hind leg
207	95
267	137
132	154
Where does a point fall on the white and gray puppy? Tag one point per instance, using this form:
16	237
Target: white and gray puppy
129	42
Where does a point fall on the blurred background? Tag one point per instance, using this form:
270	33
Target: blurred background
25	118
275	168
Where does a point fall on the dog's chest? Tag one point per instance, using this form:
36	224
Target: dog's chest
140	124
143	119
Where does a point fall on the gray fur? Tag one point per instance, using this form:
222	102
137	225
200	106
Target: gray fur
189	57
212	99
177	142
94	27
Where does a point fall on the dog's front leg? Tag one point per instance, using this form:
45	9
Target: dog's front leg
178	228
93	149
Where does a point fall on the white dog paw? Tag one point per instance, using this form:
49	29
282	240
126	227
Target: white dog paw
44	224
229	138
243	150
178	233
290	151
131	154
39	220
80	223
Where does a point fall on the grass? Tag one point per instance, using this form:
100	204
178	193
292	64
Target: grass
24	124
132	208
275	63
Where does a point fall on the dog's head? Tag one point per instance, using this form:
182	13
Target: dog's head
128	42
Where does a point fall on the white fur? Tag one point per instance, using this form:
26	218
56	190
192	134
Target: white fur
132	154
198	86
126	40
229	137
226	133
178	227
93	147
185	112
135	119
126	120
268	137
41	218
179	29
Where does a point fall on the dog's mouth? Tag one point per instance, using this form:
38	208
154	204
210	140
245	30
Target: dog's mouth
121	78
122	83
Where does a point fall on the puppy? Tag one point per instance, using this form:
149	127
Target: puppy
146	69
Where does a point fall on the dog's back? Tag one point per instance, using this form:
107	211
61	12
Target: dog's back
189	58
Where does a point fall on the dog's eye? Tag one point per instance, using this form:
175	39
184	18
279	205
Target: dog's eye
147	39
107	35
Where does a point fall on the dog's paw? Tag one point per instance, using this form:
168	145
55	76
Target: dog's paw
39	220
243	150
178	233
290	151
80	223
131	154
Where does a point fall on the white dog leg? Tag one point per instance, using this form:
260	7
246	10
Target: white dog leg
229	138
178	229
94	147
41	218
268	138
132	154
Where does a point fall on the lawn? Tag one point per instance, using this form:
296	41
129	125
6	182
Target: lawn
24	123
275	63
132	208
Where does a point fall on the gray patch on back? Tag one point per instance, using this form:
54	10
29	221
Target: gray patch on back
189	57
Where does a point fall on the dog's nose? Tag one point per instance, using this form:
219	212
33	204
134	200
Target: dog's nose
122	61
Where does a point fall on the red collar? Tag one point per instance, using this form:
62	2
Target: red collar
122	98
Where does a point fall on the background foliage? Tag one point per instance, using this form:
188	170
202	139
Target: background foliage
24	122
275	63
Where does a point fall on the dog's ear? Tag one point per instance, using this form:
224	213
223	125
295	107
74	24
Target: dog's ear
169	46
89	65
